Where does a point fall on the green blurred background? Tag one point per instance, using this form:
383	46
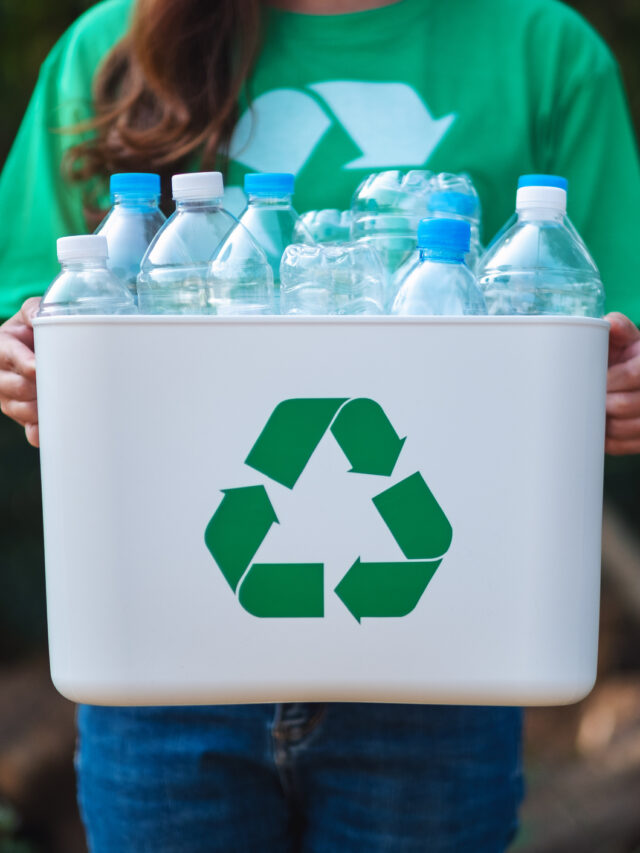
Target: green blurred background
28	29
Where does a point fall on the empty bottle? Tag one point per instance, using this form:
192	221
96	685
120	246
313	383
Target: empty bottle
173	272
386	209
132	223
540	265
240	277
325	226
84	284
442	283
449	196
345	279
271	219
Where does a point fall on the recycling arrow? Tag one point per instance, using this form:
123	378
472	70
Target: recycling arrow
408	508
385	589
238	528
367	438
415	518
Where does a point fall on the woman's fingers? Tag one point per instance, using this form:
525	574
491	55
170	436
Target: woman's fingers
16	356
621	404
21	412
33	434
623	428
622	447
13	386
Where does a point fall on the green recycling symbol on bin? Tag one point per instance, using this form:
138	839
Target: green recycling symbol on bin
408	508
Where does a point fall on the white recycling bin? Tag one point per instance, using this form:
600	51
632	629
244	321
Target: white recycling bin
268	509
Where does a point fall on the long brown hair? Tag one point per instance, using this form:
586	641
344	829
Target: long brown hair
169	88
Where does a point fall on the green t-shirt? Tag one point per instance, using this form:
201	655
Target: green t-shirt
495	88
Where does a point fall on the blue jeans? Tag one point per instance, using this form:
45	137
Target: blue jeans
335	778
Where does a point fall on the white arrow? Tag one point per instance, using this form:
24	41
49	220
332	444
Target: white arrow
389	122
280	131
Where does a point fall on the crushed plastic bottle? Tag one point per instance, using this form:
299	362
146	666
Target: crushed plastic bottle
132	223
332	279
84	284
449	196
173	273
386	209
442	283
325	226
540	265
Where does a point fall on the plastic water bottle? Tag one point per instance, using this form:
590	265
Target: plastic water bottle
540	265
449	196
84	284
173	272
271	219
442	283
240	277
132	223
325	226
332	279
386	209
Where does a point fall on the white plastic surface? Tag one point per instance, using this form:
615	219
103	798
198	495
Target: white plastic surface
197	185
82	247
143	421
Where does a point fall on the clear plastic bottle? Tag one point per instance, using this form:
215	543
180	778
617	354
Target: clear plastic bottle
345	278
325	226
386	209
84	284
449	196
240	279
271	219
442	283
539	264
173	272
132	223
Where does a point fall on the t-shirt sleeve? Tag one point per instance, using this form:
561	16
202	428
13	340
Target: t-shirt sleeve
592	143
37	205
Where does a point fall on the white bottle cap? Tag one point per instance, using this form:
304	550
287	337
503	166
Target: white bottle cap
81	247
547	198
197	186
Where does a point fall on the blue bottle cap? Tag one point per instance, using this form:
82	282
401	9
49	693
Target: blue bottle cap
269	183
453	235
135	184
450	201
543	181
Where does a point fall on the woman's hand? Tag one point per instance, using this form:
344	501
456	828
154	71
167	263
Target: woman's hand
623	387
18	370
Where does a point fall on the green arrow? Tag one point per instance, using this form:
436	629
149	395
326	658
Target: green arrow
384	589
290	436
367	438
287	590
415	518
237	529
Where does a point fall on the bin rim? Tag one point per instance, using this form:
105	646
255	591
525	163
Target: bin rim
315	320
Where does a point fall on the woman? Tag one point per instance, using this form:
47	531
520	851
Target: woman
495	88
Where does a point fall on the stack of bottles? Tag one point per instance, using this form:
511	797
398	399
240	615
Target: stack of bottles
410	245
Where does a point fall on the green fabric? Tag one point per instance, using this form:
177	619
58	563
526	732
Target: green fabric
514	86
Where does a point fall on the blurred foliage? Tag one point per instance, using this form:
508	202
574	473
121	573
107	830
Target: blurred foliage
28	29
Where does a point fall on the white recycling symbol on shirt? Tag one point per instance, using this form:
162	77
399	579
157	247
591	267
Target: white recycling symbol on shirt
389	122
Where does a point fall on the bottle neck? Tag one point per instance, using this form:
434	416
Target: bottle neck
442	255
269	200
133	201
80	264
195	204
549	214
